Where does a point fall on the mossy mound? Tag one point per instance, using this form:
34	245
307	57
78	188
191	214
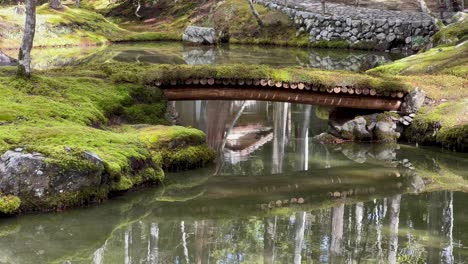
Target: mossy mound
446	125
452	60
61	117
9	204
453	33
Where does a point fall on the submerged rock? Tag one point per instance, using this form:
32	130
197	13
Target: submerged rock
199	35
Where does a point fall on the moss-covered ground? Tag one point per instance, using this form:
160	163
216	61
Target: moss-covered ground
233	17
85	26
442	72
62	116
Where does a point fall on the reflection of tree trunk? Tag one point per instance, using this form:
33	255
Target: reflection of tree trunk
217	114
184	241
359	218
337	231
280	125
299	238
201	237
447	228
127	245
393	233
304	139
269	240
440	218
153	244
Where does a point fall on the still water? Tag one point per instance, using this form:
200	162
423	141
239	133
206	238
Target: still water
177	53
273	196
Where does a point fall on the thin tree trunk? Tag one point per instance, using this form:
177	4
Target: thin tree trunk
138	9
423	6
323	6
24	56
78	3
255	13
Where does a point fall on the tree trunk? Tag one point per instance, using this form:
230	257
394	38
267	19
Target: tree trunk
138	6
24	56
423	6
357	3
323	6
255	13
55	4
78	3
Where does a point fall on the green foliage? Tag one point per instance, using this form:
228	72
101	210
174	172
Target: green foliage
9	204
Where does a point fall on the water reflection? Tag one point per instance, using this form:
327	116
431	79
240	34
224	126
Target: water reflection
177	53
286	200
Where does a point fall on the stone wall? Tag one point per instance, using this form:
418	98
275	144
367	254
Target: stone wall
362	28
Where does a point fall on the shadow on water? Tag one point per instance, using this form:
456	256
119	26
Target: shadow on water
177	53
274	196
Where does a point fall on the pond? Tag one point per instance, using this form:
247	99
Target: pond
177	53
273	196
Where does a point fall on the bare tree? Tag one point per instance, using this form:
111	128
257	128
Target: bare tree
255	13
24	56
323	6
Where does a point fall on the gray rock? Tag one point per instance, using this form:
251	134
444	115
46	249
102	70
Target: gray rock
199	35
413	101
391	37
6	60
385	131
354	129
407	118
381	36
36	179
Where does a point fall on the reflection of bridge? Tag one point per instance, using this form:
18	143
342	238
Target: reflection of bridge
268	90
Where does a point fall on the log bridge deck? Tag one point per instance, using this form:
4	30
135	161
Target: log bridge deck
269	90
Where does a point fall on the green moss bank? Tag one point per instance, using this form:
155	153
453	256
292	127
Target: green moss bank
442	72
63	117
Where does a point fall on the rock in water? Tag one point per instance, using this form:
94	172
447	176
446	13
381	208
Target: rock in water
6	60
199	35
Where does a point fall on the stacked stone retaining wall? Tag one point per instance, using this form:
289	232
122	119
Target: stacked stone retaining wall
361	28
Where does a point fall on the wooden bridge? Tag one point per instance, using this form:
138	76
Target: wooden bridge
269	90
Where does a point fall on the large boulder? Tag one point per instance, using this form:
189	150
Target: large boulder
199	35
6	60
43	183
413	101
354	129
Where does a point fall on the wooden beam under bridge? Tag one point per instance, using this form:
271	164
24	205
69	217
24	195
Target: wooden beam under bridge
174	93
